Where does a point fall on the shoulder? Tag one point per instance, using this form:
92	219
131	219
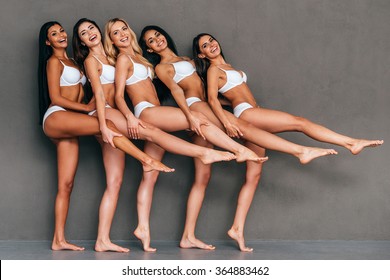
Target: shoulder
53	62
163	68
213	69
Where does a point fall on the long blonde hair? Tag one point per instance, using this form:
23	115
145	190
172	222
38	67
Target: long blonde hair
112	51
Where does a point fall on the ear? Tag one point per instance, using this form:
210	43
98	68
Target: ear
47	43
201	55
82	43
149	50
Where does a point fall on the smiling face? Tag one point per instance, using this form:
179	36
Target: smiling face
209	47
57	37
120	34
155	41
89	34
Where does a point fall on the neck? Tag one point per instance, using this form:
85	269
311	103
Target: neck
60	53
167	55
219	60
127	50
97	50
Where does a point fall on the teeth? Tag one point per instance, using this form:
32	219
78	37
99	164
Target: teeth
93	37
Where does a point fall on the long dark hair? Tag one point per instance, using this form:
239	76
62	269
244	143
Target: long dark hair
80	52
201	64
163	91
45	52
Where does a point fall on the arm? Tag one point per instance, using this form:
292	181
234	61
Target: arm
213	75
54	71
122	70
92	70
165	75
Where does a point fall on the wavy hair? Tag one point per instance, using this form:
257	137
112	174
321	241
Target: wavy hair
45	52
202	64
80	51
163	92
112	51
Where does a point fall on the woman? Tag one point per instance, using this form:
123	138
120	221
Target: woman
133	76
88	50
60	95
179	75
220	77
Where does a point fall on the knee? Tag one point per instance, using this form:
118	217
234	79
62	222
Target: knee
203	177
150	177
300	123
114	183
253	176
65	187
245	126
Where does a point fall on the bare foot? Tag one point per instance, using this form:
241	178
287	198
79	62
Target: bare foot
239	238
101	246
245	154
64	245
212	155
359	144
151	164
309	154
186	243
144	236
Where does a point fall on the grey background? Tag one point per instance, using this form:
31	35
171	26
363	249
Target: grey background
325	60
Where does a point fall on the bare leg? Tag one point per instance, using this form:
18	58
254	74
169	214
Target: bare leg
114	164
264	138
245	198
145	197
67	124
172	119
169	142
195	200
277	121
67	160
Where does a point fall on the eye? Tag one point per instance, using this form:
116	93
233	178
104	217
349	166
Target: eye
150	41
92	27
115	32
82	33
124	28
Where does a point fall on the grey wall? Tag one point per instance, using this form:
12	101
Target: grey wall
325	60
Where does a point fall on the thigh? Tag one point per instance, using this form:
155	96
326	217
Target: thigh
204	108
166	118
270	120
68	124
67	159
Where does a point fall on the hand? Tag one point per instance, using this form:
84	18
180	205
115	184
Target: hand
233	130
91	106
133	127
108	136
195	125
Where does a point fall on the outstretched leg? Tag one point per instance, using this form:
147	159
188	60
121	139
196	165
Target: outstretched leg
253	173
172	119
277	121
67	160
169	142
145	197
195	201
114	164
67	124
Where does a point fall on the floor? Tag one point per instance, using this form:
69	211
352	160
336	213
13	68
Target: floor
226	250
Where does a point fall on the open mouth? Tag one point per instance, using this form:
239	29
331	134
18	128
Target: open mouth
62	40
92	38
214	49
124	39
